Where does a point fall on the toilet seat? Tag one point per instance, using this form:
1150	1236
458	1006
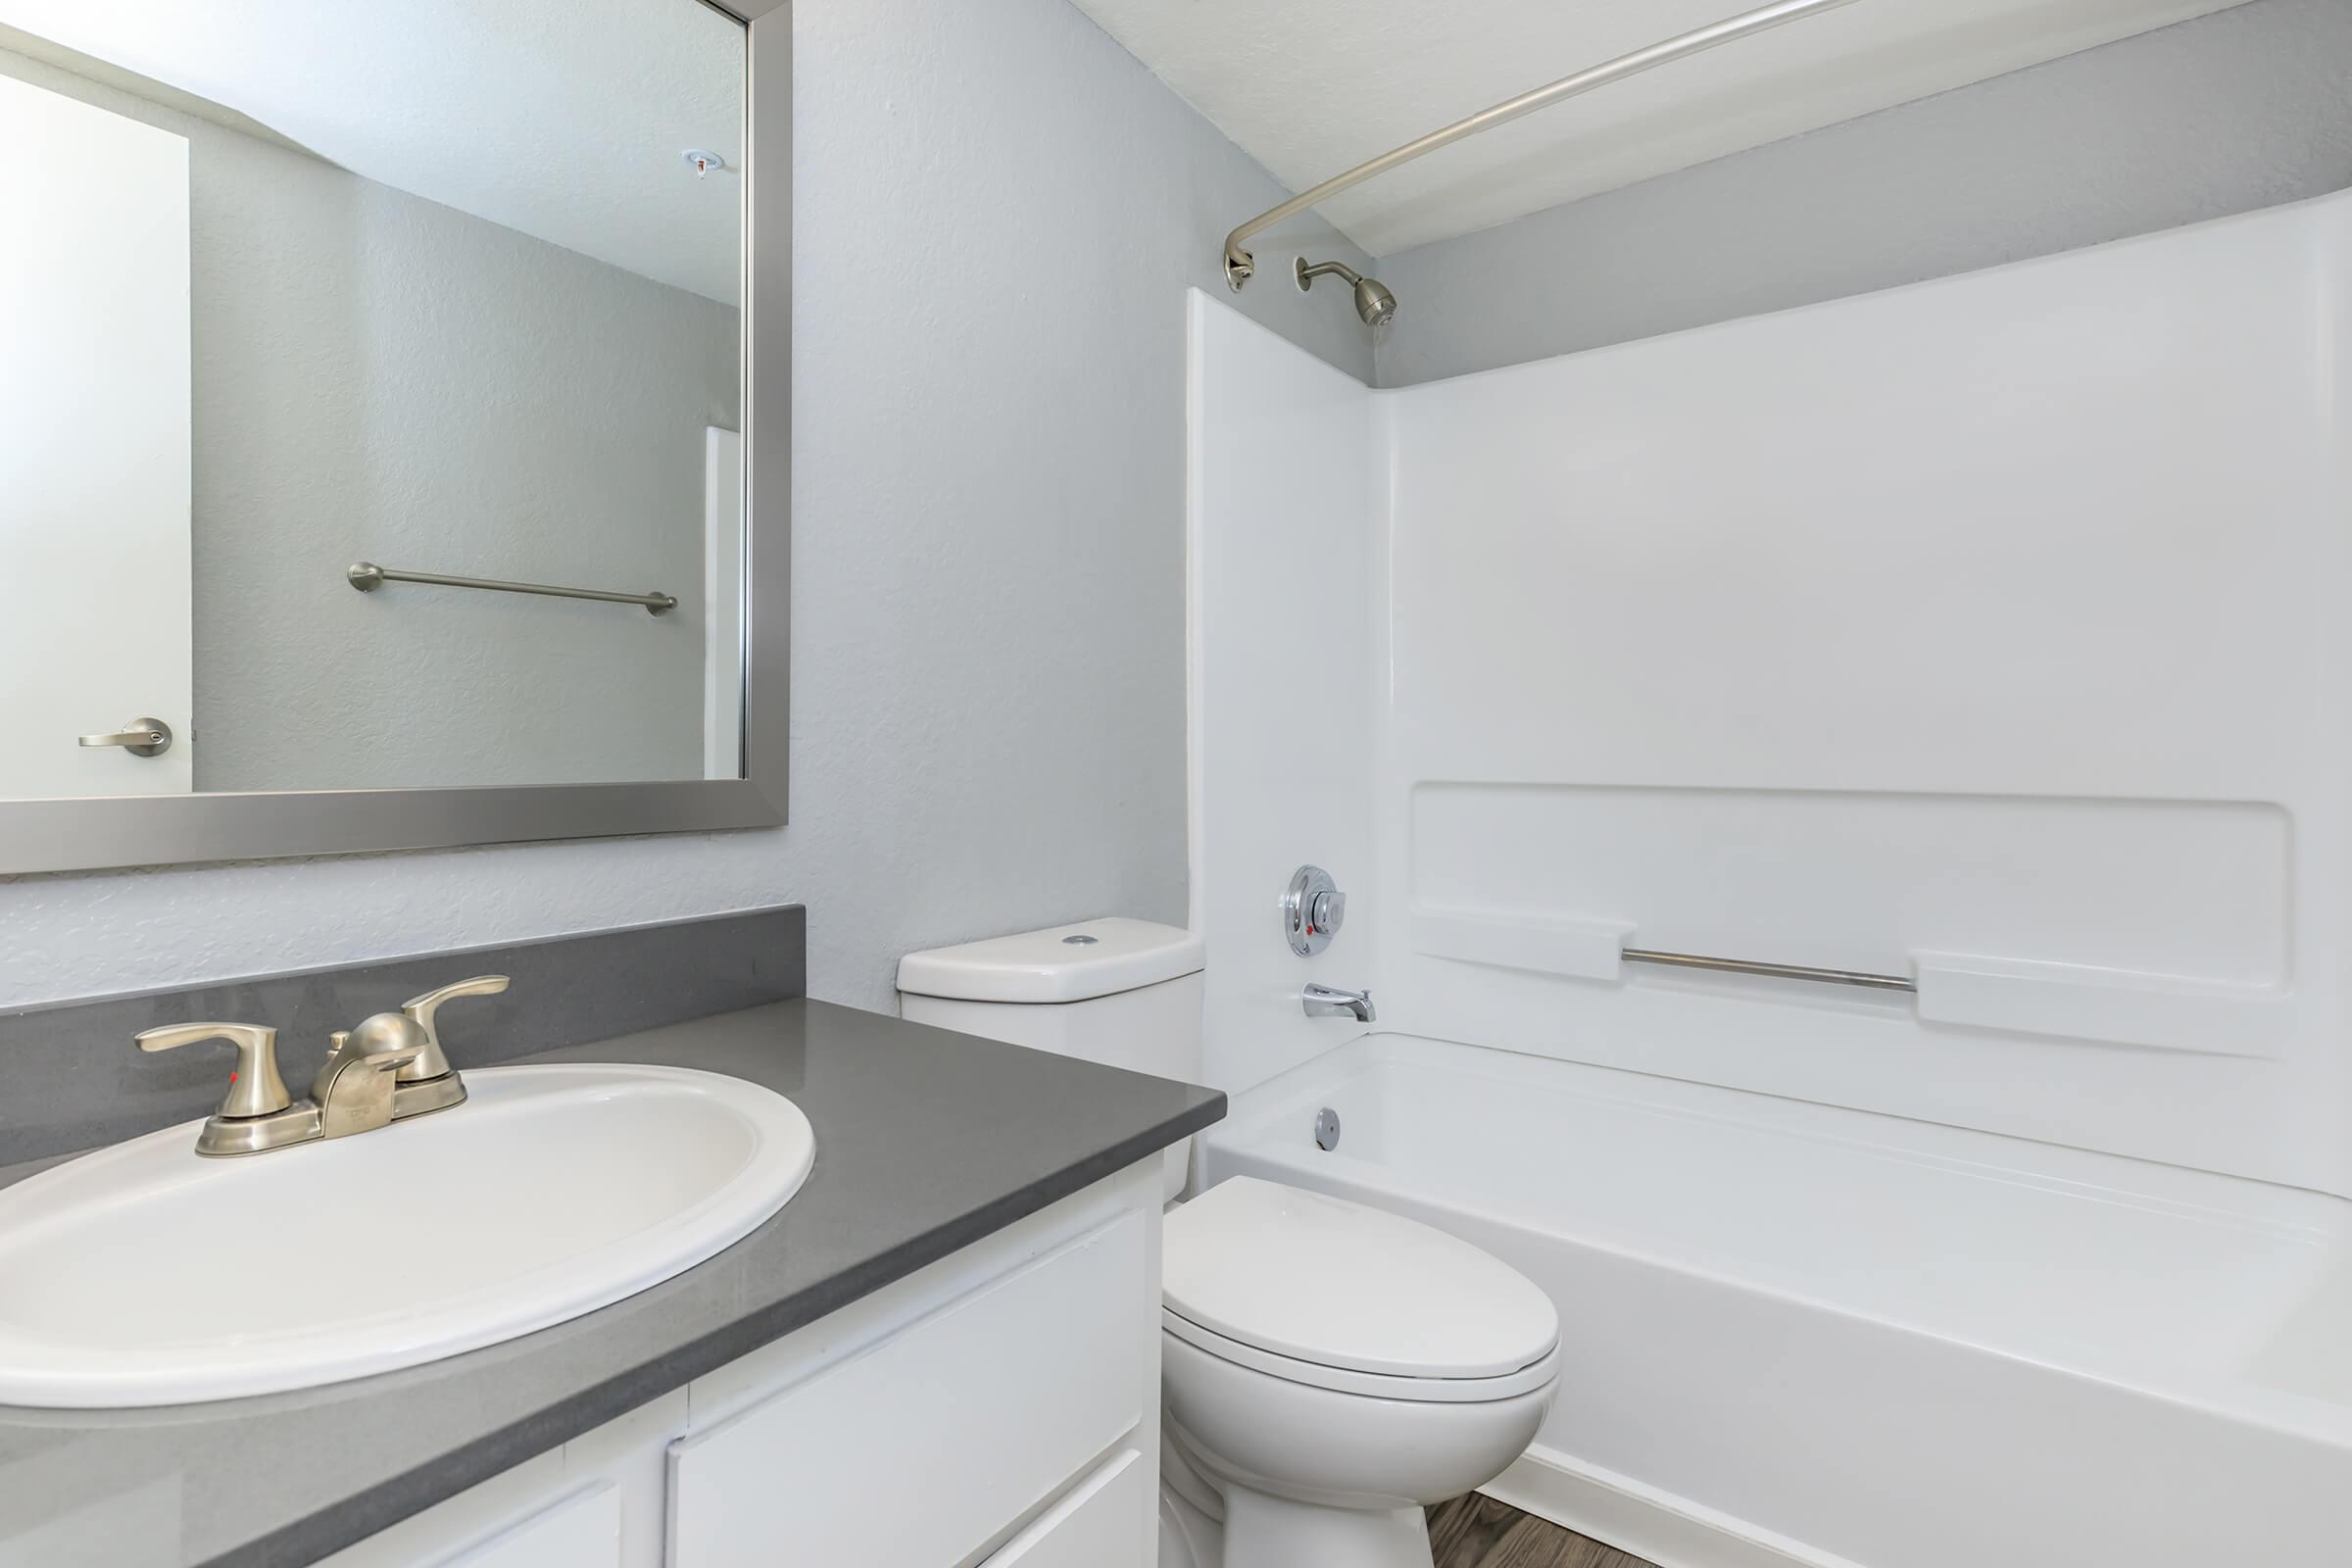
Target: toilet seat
1319	1291
1374	1384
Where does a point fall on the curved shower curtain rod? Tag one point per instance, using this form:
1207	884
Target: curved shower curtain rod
1239	265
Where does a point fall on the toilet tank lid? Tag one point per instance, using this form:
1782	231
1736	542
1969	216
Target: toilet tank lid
1053	965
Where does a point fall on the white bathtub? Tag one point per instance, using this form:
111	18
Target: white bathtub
1799	1334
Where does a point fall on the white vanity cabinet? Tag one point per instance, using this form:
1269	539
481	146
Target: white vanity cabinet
581	1531
998	1409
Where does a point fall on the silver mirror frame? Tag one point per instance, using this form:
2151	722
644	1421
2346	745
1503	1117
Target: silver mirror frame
76	835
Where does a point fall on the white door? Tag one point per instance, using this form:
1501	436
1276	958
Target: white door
94	446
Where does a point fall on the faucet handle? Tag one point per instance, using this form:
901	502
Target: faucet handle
432	1063
254	1089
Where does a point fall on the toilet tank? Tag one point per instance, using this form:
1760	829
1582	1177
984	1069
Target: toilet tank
1124	993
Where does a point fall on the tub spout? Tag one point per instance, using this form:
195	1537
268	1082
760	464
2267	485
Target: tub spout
1329	1001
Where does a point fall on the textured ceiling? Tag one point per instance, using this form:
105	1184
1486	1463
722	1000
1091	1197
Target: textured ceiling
1312	87
563	118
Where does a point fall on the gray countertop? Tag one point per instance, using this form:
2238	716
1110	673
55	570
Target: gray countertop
925	1140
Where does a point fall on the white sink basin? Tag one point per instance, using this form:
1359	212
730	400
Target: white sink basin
144	1275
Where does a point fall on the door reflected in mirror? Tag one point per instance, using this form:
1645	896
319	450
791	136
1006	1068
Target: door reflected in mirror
370	389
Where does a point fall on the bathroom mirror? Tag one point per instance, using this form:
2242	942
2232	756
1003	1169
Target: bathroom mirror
377	466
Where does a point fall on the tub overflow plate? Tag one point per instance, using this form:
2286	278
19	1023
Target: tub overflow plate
1327	1129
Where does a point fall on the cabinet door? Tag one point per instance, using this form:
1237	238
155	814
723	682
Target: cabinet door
918	1453
580	1531
1101	1524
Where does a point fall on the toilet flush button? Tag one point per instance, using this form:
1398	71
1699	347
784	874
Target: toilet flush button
1081	940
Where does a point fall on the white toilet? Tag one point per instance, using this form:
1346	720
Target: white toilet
1327	1369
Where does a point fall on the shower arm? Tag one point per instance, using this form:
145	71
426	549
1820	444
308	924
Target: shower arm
1308	274
1239	265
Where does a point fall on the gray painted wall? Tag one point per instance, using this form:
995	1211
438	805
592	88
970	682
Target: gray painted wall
2242	109
997	213
384	379
379	377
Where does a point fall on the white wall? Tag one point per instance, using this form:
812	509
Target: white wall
1285	556
997	212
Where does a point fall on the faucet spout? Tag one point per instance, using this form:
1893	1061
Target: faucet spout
1329	1001
354	1084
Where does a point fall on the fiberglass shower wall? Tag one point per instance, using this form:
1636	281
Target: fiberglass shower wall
1985	630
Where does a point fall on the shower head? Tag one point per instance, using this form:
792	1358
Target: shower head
1373	301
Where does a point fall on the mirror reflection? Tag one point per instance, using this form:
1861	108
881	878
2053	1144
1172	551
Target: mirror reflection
304	306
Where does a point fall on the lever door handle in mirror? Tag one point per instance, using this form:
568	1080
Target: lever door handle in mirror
141	737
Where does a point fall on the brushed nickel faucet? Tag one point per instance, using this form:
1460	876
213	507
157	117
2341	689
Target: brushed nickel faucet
388	1068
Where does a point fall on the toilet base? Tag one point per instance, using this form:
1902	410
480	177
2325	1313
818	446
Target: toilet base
1269	1532
1195	1520
1189	1536
1276	1534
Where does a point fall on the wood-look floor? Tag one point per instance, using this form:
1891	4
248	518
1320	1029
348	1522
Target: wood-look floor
1477	1532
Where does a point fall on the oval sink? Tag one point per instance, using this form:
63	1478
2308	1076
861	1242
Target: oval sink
145	1275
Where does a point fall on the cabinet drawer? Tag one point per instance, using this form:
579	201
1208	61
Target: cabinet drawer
918	1453
1105	1522
580	1531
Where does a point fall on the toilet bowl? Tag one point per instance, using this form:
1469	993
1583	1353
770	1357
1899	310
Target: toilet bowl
1327	1369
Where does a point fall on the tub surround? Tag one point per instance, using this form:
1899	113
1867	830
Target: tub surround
928	1141
1619	634
77	1084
